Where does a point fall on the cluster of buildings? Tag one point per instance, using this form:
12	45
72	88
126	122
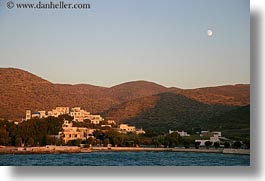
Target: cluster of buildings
69	132
214	136
77	113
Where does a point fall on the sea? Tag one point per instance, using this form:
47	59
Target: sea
125	159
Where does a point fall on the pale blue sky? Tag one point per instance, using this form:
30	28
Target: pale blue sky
116	41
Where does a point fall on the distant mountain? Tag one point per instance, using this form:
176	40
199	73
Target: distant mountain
21	90
166	111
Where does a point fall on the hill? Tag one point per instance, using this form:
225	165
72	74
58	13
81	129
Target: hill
136	89
165	111
233	124
234	95
21	90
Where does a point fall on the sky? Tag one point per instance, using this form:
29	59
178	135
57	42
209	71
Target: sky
117	41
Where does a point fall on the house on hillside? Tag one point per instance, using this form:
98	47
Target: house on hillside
43	114
181	133
80	115
125	128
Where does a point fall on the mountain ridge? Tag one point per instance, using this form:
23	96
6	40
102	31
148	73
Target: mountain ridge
166	111
21	90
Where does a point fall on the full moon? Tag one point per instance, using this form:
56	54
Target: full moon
210	33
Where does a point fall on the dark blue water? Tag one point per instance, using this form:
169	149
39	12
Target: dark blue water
127	159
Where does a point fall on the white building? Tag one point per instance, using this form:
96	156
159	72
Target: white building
217	133
214	138
35	115
106	125
95	119
62	110
77	113
202	142
181	133
58	111
111	122
73	133
140	131
28	115
43	114
125	128
80	115
204	133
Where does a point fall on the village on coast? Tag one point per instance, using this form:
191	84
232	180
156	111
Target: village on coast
84	138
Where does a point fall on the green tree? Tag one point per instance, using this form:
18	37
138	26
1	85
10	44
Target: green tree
247	143
30	142
197	144
187	141
172	139
159	140
98	135
106	141
78	142
227	145
208	144
4	137
18	142
216	145
74	142
237	145
90	141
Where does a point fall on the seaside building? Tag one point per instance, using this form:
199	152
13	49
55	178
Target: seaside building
217	133
125	128
181	133
214	137
73	133
79	115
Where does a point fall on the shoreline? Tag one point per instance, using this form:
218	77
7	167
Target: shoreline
75	149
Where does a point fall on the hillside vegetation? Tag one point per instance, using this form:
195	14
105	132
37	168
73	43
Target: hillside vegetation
146	105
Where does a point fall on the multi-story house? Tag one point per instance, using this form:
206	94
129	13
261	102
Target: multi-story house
73	133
